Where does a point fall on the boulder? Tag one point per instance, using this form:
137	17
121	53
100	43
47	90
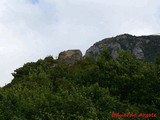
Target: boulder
70	56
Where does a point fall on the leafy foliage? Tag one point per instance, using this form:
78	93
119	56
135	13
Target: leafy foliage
89	89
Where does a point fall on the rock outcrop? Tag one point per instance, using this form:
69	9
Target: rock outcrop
70	56
147	47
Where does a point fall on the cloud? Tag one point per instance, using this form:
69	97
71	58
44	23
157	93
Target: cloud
35	1
33	29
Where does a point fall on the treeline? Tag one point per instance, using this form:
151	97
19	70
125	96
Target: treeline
88	90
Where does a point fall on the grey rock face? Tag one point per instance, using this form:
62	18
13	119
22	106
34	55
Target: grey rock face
93	51
70	56
140	46
137	51
114	48
96	50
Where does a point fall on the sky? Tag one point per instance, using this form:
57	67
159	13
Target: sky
33	29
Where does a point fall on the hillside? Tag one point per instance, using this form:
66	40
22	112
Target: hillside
142	47
73	87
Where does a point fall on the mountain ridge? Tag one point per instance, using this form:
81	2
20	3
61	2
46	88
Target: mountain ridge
142	47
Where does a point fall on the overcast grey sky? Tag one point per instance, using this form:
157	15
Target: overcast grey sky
34	29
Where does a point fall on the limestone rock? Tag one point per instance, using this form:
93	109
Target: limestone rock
147	47
70	56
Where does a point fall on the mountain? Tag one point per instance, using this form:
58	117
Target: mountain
142	47
73	87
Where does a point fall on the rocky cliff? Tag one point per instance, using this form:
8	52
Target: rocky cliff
147	47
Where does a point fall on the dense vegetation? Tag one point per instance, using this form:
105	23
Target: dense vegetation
88	90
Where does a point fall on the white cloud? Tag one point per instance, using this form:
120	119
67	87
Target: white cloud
33	29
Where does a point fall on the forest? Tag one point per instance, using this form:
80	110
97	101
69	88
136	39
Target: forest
123	88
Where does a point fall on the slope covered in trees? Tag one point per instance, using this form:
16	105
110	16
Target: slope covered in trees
90	89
